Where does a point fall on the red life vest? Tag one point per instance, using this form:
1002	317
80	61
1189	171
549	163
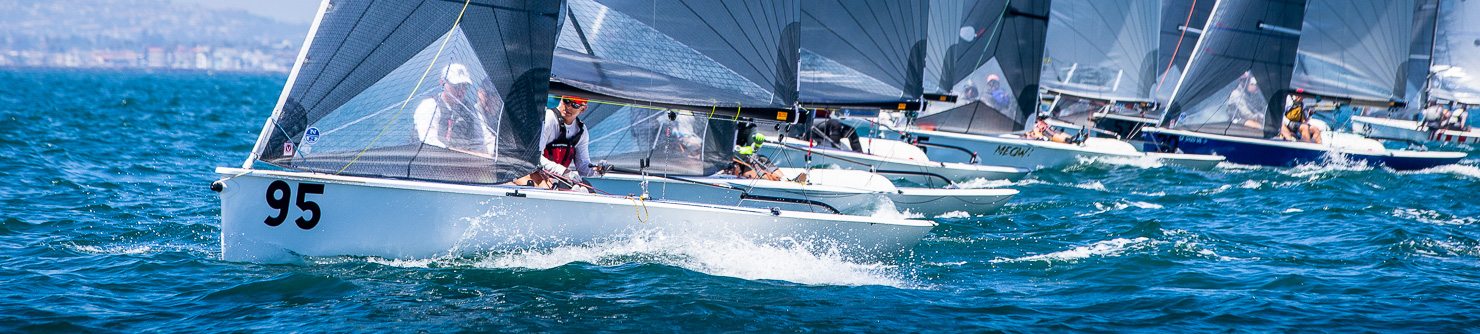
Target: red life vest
562	150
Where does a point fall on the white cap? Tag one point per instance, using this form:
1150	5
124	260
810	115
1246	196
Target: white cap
457	74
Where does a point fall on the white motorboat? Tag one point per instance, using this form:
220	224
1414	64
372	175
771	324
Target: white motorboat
405	152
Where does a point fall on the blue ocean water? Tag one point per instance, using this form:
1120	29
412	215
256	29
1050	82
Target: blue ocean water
107	225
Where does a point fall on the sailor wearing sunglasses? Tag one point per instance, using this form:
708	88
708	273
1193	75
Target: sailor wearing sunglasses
565	141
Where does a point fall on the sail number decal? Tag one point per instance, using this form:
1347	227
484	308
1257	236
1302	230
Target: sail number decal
280	194
1013	151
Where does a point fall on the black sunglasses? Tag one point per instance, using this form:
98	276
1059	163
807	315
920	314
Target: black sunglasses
574	104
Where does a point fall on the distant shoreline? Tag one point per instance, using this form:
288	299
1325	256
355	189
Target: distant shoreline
134	70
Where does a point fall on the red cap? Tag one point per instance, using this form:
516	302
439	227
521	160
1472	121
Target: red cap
573	99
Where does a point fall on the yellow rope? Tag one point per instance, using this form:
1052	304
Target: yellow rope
413	90
640	213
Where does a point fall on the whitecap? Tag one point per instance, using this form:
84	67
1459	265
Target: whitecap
1107	248
1433	217
1092	185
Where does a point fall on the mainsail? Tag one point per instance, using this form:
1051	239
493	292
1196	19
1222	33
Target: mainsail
1456	60
718	56
431	90
1102	49
987	54
867	53
1236	81
1354	52
673	76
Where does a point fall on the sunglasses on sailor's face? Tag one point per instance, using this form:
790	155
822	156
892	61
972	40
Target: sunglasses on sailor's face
574	104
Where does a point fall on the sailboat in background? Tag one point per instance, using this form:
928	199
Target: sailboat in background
612	51
1231	98
397	140
1100	59
869	55
982	76
1181	22
1445	37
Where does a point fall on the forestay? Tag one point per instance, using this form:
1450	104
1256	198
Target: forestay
699	55
659	141
432	90
1243	62
862	52
1354	52
987	54
1456	63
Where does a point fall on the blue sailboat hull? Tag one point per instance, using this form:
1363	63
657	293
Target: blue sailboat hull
1265	152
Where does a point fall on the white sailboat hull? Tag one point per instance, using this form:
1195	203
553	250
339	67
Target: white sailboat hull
1410	131
400	219
798	156
848	194
1037	154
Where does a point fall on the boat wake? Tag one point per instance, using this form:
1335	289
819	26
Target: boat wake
1144	162
1469	171
732	256
1333	163
980	183
884	208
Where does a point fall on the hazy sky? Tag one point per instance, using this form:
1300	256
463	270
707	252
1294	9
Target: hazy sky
290	11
